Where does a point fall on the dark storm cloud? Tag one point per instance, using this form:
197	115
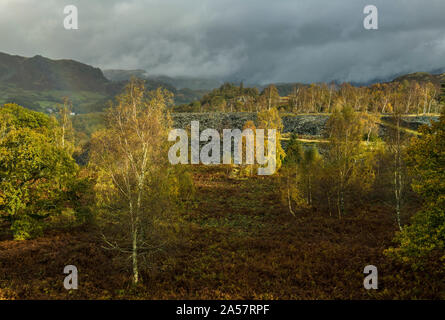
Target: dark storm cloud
254	40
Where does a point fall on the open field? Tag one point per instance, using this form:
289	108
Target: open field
240	242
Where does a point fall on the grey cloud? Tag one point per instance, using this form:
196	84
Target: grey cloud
255	40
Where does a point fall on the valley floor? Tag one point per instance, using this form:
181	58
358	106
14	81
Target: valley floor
241	243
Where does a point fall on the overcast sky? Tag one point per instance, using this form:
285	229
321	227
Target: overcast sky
253	40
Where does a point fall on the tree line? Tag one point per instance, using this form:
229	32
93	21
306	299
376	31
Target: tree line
410	96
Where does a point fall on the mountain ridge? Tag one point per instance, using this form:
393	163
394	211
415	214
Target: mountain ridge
38	83
40	73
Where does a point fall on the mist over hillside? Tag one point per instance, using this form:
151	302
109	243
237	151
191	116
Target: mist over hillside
192	83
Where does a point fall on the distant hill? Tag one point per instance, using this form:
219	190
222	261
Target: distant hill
39	73
422	77
123	75
177	82
39	83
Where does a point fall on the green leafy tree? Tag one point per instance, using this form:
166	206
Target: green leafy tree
290	169
425	237
35	172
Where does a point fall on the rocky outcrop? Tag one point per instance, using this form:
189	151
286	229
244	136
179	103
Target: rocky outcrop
311	125
413	122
